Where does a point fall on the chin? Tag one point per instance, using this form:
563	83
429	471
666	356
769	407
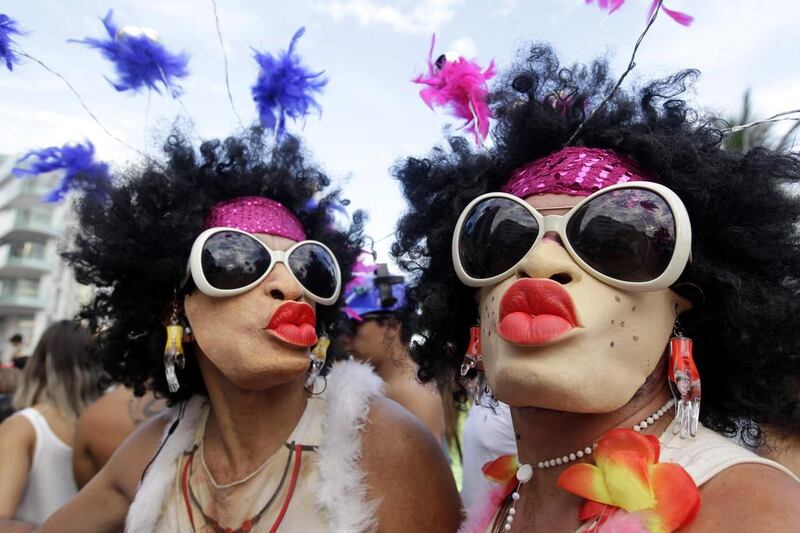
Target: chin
522	386
267	376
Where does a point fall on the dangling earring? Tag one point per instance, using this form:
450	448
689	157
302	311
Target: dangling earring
684	381
173	351
474	360
317	356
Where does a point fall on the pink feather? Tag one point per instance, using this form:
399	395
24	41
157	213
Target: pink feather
679	17
480	516
461	87
622	522
352	314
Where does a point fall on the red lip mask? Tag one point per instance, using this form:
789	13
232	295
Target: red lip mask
534	312
294	323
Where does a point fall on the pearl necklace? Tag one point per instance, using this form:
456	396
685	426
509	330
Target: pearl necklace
525	471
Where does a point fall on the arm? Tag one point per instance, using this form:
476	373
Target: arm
103	503
407	472
17	441
749	498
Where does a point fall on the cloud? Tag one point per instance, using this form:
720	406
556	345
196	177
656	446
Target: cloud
462	47
424	16
47	128
505	8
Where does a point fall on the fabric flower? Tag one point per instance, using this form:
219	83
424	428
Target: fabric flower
76	161
628	476
502	470
8	28
459	85
677	16
285	88
139	59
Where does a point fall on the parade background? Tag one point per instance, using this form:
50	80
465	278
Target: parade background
370	50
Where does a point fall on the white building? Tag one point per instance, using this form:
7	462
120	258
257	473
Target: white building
36	286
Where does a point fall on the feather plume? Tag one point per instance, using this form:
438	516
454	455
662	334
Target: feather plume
285	88
8	29
612	5
139	59
460	86
76	161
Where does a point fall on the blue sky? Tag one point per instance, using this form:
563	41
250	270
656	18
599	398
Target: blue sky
370	49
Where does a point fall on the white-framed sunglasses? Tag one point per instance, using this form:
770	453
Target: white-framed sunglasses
634	236
230	261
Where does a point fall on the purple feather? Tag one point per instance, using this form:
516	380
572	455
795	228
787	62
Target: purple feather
139	59
285	88
80	171
8	28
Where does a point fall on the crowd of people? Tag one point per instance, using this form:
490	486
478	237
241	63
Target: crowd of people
239	368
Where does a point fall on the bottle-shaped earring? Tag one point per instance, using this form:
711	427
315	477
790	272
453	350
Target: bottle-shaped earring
473	356
473	359
317	356
173	350
685	384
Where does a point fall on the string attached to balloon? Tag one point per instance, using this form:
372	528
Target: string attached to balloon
10	53
225	63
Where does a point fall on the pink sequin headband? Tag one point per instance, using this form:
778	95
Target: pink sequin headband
256	214
576	171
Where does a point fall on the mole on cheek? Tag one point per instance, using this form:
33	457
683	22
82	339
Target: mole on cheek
617	298
636	338
612	344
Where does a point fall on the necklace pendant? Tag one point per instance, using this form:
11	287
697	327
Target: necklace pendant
524	473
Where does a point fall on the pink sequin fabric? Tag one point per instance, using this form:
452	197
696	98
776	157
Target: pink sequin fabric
576	171
255	214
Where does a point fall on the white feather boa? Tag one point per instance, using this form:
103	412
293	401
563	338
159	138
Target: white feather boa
154	489
342	494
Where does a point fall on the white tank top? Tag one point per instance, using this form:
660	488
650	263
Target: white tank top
50	481
709	454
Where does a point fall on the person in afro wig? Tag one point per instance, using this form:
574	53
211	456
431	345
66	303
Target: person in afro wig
675	239
217	271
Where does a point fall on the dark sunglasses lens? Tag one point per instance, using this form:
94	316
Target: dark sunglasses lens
626	234
315	268
496	234
232	260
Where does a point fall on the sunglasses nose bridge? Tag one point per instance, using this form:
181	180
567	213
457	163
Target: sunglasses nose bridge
548	259
280	284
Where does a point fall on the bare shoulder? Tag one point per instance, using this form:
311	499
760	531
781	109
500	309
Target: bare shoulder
115	485
129	461
17	428
16	436
407	472
749	497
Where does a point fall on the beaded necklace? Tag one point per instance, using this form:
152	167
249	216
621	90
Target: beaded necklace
525	471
